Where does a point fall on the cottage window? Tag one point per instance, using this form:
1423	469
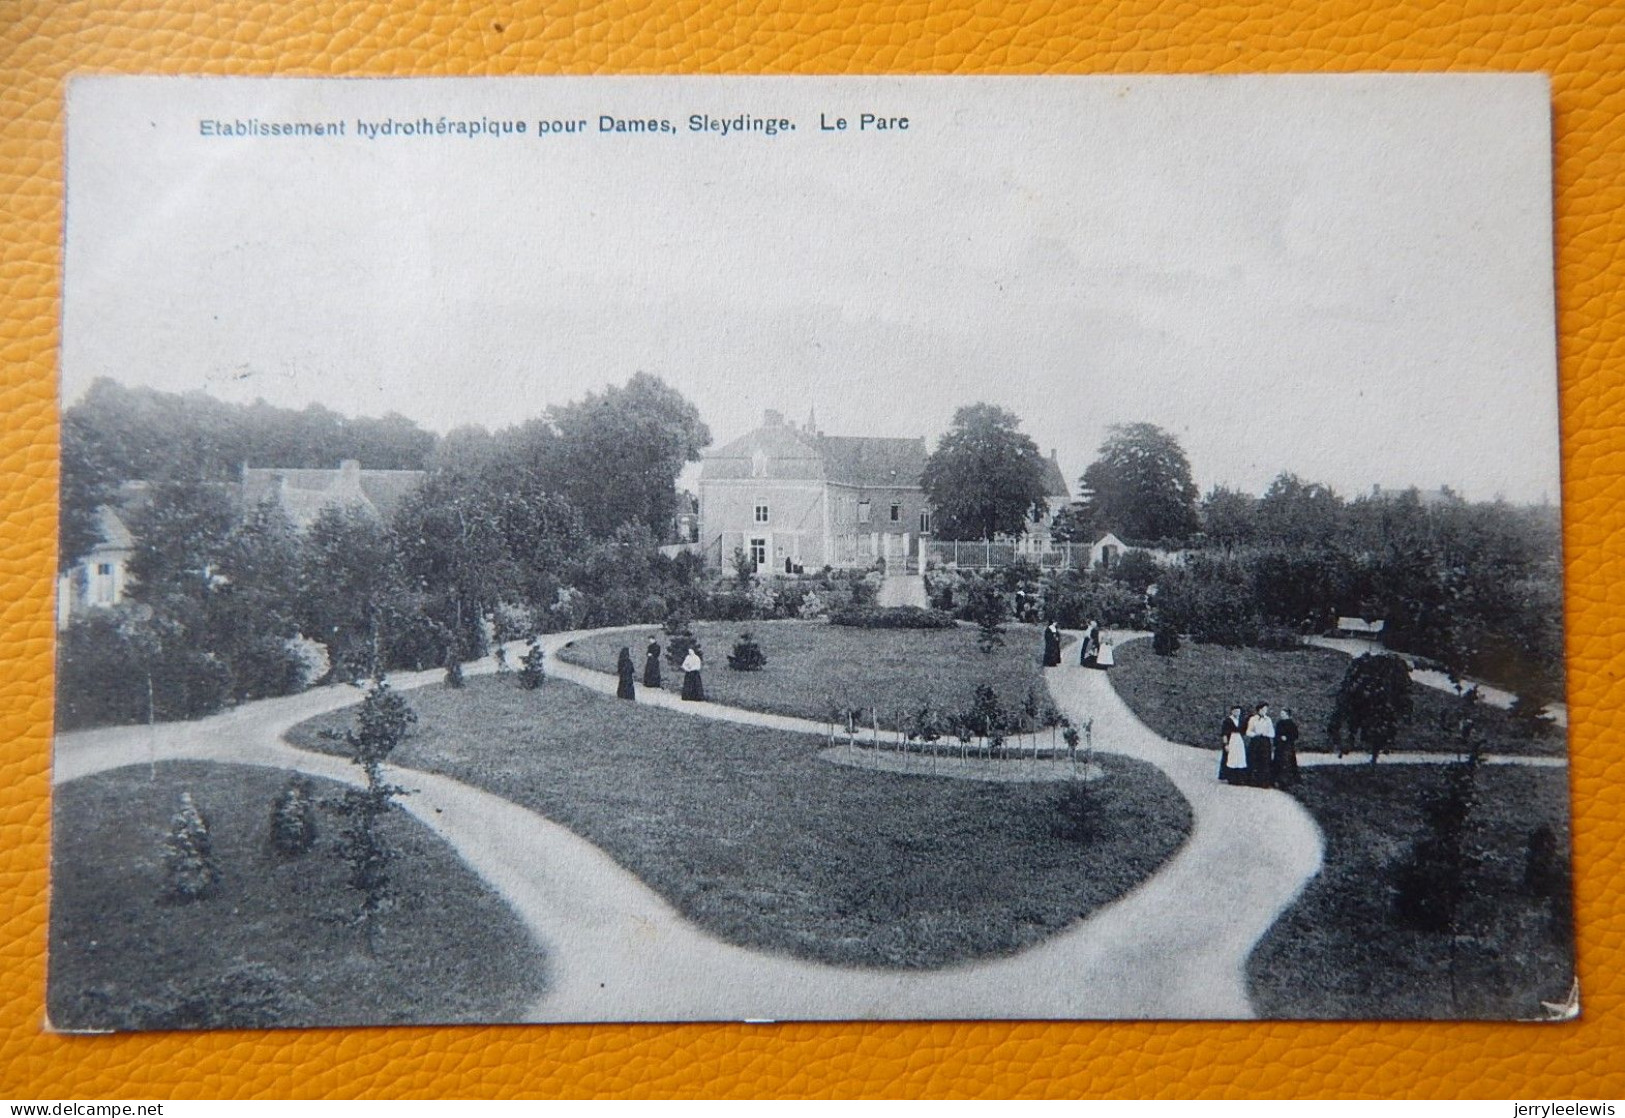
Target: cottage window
104	569
925	522
761	514
863	512
896	513
758	551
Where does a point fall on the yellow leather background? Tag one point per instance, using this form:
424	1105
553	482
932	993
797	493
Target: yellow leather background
1581	45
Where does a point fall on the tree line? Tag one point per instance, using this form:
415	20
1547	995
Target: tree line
1476	587
547	525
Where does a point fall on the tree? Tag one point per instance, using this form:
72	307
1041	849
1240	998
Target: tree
1230	517
1142	485
985	479
620	452
86	483
1297	513
381	724
1372	699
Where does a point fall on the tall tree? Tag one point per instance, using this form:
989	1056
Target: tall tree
1299	513
1141	484
1230	517
985	478
621	451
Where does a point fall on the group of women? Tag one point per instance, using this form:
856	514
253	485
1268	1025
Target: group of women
1094	651
1260	751
626	688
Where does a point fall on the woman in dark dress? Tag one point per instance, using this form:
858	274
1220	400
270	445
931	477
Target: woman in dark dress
1090	646
623	668
693	686
1052	645
1260	743
651	664
1284	760
1233	749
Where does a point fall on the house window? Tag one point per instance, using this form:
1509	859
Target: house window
761	514
896	513
925	522
758	551
863	512
104	569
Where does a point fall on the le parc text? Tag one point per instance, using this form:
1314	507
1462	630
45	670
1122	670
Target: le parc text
867	122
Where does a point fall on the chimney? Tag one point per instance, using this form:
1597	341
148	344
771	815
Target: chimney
771	418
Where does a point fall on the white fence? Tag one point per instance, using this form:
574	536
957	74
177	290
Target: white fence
985	555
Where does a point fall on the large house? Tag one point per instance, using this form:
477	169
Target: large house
790	497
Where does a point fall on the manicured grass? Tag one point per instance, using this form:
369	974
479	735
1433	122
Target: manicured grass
1339	951
1185	697
814	668
273	946
754	838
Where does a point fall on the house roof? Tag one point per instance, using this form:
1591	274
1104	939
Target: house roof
873	463
115	534
780	451
304	494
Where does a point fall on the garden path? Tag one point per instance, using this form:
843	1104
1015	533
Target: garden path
903	590
1174	947
1429	677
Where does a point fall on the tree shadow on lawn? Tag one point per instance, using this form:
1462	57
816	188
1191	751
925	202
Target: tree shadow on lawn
274	945
1341	952
814	667
1184	698
753	838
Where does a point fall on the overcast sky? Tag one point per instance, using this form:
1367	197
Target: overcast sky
1349	278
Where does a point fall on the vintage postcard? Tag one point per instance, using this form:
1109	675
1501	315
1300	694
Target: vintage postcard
661	549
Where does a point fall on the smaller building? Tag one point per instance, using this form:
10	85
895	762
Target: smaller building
99	578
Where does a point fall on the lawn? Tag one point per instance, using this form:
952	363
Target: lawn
1184	698
1339	951
274	946
755	839
814	668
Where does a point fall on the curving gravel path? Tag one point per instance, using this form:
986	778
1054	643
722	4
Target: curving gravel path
1175	947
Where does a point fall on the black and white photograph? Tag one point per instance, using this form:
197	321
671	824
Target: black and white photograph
771	549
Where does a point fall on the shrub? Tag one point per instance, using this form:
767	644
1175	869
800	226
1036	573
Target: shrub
1430	883
1078	815
1374	695
1278	638
989	611
891	617
293	818
190	872
313	657
864	592
1165	641
679	639
454	670
747	655
531	674
263	667
1075	599
118	665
